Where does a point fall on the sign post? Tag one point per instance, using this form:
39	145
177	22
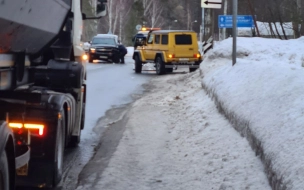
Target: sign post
211	4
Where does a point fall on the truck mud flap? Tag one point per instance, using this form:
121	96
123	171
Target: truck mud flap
23	159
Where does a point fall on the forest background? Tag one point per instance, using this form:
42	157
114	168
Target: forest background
123	16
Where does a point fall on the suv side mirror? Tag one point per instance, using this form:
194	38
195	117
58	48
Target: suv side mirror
101	8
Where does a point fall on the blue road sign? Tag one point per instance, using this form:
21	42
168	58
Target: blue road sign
225	21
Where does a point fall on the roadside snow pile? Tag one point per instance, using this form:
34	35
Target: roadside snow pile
263	96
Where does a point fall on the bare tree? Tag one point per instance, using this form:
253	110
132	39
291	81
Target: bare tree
123	10
147	4
111	14
156	14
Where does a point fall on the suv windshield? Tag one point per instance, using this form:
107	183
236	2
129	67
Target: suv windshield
110	41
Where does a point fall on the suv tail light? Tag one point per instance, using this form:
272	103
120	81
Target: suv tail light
197	55
171	55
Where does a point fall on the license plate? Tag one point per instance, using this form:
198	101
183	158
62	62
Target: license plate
184	59
104	57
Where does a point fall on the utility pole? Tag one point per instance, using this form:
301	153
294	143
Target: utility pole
234	31
225	13
202	28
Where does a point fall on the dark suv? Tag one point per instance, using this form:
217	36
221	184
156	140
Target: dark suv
104	47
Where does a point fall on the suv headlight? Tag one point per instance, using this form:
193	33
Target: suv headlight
92	50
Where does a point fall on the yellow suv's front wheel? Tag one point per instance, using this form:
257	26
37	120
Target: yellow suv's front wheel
138	64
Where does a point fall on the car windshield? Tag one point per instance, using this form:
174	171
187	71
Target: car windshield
110	41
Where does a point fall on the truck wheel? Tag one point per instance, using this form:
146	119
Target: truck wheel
75	140
59	150
160	66
4	172
138	64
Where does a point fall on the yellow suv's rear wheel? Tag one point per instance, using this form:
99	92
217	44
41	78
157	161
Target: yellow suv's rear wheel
160	66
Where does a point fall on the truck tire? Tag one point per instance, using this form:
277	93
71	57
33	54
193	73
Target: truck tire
138	64
160	66
4	172
59	151
75	140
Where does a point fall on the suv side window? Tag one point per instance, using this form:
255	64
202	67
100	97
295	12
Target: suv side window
183	39
150	40
164	39
157	39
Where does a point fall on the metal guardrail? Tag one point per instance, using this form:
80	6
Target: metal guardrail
207	45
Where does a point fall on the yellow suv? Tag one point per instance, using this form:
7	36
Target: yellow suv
168	49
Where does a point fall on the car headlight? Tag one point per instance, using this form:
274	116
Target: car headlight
92	50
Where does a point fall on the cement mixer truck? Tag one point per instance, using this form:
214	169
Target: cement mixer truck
42	87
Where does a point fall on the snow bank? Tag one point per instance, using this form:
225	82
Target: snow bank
262	95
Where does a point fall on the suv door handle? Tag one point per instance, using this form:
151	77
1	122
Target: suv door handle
190	48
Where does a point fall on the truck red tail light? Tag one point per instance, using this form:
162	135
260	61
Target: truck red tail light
36	129
32	127
15	125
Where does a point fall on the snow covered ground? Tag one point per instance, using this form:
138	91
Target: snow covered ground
175	137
